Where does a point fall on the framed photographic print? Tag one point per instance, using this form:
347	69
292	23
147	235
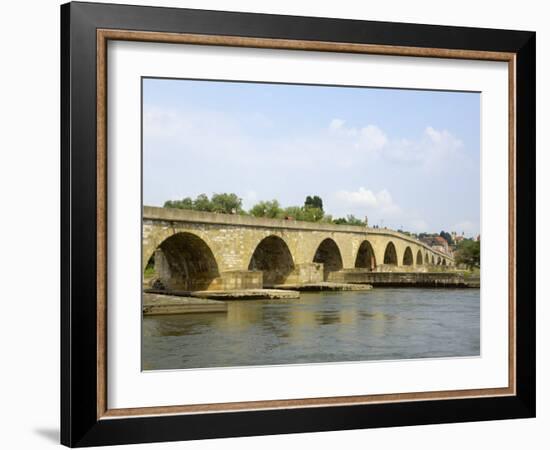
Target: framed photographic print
278	224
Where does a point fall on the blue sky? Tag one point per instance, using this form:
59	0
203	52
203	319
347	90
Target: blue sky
403	158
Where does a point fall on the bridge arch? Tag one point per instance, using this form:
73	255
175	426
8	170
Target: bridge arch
427	259
439	260
444	262
184	261
329	255
390	254
272	256
419	259
408	257
365	256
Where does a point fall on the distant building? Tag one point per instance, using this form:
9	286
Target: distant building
441	244
428	240
436	242
457	237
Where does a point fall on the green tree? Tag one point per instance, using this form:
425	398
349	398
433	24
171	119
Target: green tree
447	236
349	220
294	212
314	202
352	220
270	209
467	253
312	214
302	213
184	203
226	203
202	203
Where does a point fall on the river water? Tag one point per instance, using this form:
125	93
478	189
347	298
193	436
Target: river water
379	324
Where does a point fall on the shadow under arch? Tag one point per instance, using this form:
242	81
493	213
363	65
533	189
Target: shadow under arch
390	254
329	255
408	257
365	258
419	259
184	261
272	256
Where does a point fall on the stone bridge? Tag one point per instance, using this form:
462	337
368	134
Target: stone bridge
195	250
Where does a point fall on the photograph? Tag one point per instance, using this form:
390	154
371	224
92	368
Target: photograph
307	224
279	220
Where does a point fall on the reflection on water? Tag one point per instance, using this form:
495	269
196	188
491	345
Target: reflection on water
318	327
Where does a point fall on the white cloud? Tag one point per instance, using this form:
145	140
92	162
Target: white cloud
379	207
213	134
369	137
372	137
336	125
365	198
181	125
434	135
434	150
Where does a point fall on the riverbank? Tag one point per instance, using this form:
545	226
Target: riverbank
325	286
159	301
278	292
249	294
406	279
160	304
156	301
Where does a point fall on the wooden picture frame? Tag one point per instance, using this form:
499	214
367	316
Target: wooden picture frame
86	418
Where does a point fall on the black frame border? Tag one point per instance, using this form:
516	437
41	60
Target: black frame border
79	423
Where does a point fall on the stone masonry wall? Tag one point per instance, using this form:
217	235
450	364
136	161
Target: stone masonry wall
233	239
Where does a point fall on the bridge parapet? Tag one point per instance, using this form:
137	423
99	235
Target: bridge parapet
184	215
